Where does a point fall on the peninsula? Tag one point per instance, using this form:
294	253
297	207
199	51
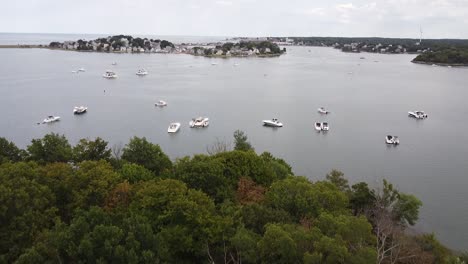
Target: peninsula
129	44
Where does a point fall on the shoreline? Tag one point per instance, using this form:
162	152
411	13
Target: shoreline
440	64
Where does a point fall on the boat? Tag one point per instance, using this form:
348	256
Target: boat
392	140
160	103
322	110
322	126
81	70
272	123
51	119
74	71
362	58
199	122
114	63
173	128
236	64
214	63
142	72
78	110
109	75
417	114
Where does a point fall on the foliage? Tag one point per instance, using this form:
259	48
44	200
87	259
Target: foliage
231	207
240	141
91	150
146	154
10	152
51	148
452	55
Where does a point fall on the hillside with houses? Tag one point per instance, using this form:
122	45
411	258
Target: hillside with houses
129	44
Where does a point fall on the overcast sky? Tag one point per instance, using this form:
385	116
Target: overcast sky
382	18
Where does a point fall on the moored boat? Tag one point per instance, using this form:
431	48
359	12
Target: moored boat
160	103
109	75
417	114
272	123
78	110
392	140
51	119
199	122
322	110
142	72
173	128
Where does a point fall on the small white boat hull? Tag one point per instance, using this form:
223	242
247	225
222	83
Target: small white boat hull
199	122
323	111
271	123
161	103
417	114
173	128
392	140
78	110
321	126
51	119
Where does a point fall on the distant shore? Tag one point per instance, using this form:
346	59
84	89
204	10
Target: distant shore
440	64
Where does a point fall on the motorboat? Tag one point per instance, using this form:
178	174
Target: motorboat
51	119
114	63
173	128
272	123
214	63
417	114
322	110
322	126
109	75
236	64
74	71
392	140
78	110
199	122
142	72
161	103
81	70
362	58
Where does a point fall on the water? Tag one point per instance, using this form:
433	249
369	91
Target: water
368	104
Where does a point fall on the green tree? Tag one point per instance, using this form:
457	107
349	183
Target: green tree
91	150
337	178
245	243
204	173
407	208
146	154
134	173
277	246
361	198
51	148
10	152
26	208
240	141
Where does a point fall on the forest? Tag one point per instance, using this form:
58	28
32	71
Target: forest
449	56
93	203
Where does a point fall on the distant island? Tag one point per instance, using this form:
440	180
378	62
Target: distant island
444	56
379	45
129	44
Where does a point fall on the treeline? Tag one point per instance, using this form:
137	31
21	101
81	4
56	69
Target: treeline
450	56
407	42
90	203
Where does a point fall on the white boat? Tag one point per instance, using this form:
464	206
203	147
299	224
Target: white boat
236	64
81	70
417	114
322	110
109	75
214	63
74	71
51	119
392	140
160	103
114	63
322	126
80	110
200	122
272	123
173	128
142	72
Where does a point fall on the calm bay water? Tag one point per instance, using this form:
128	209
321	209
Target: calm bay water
373	101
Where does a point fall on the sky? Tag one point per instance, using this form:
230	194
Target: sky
249	18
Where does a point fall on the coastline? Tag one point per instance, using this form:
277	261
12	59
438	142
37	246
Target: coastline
440	64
